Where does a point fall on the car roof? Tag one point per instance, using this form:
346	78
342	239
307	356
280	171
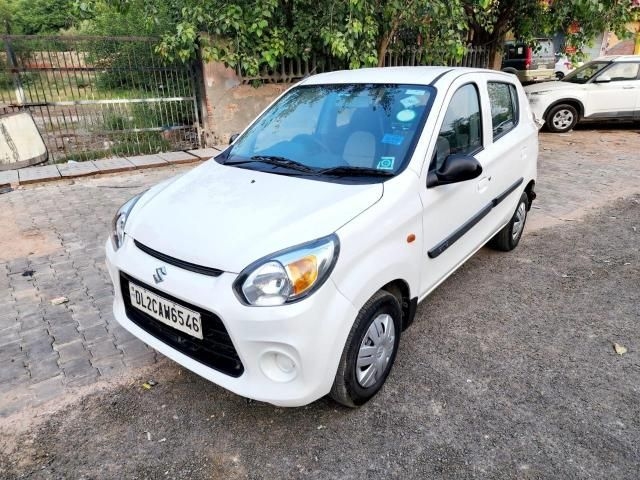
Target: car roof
391	75
619	58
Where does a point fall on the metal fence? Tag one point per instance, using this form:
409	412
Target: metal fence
94	97
477	57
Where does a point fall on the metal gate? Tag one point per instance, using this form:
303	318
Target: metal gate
94	97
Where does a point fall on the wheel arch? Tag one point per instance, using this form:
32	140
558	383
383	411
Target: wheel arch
574	102
531	193
400	289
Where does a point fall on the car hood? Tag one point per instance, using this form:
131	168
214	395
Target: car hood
227	217
552	87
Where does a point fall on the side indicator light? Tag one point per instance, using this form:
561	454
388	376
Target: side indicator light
410	238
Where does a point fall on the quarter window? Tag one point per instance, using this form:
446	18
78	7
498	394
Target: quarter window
461	130
503	98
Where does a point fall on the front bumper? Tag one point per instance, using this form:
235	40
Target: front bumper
310	333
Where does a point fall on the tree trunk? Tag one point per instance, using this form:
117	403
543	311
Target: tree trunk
382	49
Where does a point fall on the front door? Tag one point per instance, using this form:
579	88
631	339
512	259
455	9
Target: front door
453	227
618	97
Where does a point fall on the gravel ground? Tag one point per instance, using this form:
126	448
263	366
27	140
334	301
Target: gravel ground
508	372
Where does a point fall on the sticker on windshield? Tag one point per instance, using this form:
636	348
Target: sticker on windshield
416	92
386	163
409	102
405	115
391	139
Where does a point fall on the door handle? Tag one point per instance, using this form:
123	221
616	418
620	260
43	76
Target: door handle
629	88
483	184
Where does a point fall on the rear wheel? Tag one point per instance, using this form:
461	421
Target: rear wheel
369	352
559	75
508	238
562	118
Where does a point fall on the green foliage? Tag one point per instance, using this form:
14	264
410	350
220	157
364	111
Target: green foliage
490	20
32	17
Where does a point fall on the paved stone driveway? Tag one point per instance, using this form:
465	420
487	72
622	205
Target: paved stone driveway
55	240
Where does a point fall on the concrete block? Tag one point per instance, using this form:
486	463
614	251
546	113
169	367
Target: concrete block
178	157
111	165
205	153
38	174
8	177
147	161
78	169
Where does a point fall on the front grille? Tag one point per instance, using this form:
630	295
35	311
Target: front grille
215	350
192	267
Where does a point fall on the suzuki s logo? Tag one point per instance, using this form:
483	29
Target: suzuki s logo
161	272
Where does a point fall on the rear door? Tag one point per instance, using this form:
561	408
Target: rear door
509	148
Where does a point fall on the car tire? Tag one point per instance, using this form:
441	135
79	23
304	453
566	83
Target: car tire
562	118
559	75
362	371
508	238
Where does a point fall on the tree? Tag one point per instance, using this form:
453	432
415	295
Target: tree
32	17
257	33
490	20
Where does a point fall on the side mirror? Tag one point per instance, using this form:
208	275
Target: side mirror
456	168
603	79
233	138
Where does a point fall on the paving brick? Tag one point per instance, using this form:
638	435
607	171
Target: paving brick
79	367
95	334
64	334
8	177
38	174
70	352
133	347
205	153
104	348
44	368
47	389
108	365
77	169
147	161
111	165
178	157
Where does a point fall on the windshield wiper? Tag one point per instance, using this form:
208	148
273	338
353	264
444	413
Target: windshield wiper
278	161
346	170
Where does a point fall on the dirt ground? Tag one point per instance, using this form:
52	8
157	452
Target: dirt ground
509	371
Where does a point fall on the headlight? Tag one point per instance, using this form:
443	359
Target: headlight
288	275
120	220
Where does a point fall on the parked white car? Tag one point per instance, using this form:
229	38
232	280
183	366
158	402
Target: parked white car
287	267
563	67
605	89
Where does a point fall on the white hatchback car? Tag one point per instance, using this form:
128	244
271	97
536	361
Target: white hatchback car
605	89
287	267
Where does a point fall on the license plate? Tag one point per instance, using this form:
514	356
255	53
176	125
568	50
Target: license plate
166	311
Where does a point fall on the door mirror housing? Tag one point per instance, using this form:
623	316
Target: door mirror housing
603	79
233	138
455	168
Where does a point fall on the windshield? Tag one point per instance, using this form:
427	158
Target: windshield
585	73
354	127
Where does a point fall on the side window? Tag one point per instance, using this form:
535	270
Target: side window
503	98
461	130
622	71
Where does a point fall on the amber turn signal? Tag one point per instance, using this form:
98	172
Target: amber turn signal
303	273
410	238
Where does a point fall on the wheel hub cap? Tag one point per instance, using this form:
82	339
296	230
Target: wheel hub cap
563	119
518	221
375	351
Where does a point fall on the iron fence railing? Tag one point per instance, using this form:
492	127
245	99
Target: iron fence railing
94	97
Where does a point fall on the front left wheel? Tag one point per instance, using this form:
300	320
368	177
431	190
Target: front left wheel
369	352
